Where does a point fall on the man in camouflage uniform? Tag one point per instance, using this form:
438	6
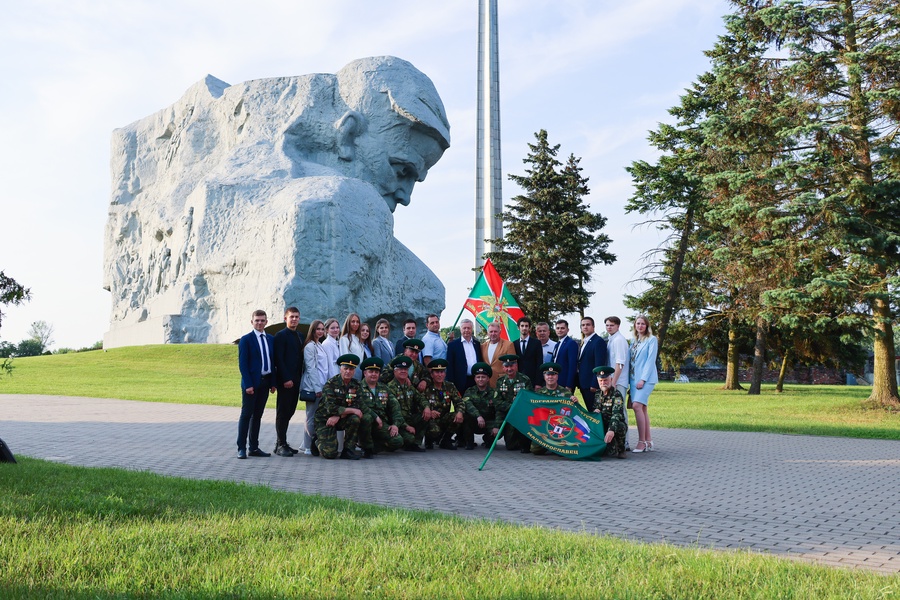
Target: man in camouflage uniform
412	428
443	407
550	372
341	409
609	403
384	430
480	405
508	386
418	373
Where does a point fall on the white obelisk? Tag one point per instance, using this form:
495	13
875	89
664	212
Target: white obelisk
488	198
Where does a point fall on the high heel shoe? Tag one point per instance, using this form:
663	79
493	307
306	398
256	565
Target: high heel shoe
641	446
649	446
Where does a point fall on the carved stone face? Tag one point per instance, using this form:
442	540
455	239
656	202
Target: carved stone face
393	156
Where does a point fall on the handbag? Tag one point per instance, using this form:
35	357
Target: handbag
628	403
307	396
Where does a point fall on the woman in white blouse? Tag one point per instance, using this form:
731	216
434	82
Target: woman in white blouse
350	343
332	345
315	374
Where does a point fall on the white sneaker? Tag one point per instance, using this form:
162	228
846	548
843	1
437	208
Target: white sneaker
307	452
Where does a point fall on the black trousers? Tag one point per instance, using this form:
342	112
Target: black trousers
285	407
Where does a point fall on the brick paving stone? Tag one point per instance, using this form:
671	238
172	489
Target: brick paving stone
826	500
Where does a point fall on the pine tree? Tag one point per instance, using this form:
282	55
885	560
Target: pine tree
842	61
552	241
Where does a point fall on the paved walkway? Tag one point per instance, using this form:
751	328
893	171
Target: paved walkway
827	500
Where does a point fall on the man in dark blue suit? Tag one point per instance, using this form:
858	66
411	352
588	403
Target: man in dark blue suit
288	365
461	355
566	355
592	354
255	352
409	333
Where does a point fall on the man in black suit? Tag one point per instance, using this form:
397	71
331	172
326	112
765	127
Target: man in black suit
255	352
592	354
529	350
288	366
409	333
461	355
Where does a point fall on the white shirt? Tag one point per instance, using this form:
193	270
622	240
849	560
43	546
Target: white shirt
584	343
491	349
333	349
548	348
617	348
471	357
264	351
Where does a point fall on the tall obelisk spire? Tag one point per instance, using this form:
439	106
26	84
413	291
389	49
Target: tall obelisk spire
488	198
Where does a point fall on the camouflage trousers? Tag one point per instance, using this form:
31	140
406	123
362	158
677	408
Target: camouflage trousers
617	445
379	438
436	429
414	439
351	425
514	439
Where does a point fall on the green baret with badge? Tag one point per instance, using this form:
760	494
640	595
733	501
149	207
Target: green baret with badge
341	409
609	403
385	416
443	411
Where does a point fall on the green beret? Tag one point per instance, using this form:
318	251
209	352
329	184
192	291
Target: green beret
604	372
551	367
401	362
438	364
509	358
482	368
348	360
419	345
373	362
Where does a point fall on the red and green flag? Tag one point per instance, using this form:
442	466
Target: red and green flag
559	425
490	301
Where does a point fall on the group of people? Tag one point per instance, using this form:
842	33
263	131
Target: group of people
420	393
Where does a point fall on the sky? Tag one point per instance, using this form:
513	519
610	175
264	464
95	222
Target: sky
598	75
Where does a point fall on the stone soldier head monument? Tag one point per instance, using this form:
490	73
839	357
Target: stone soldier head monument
271	193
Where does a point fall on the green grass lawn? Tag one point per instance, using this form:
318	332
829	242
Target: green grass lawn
208	374
74	532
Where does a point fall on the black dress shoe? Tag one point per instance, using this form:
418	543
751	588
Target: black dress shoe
258	453
314	449
292	449
446	444
413	448
470	445
284	451
368	453
429	445
348	454
242	454
525	450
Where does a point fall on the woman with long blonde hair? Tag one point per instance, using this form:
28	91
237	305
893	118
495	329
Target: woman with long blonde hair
642	378
349	341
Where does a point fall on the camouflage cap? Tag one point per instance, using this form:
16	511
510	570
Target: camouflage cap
401	362
482	368
348	360
604	372
373	362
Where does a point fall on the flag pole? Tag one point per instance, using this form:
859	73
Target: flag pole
499	432
452	327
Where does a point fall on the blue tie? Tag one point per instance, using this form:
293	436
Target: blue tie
265	353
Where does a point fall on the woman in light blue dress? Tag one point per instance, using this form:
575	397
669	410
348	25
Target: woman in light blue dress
642	378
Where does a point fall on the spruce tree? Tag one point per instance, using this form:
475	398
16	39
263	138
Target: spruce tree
551	240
